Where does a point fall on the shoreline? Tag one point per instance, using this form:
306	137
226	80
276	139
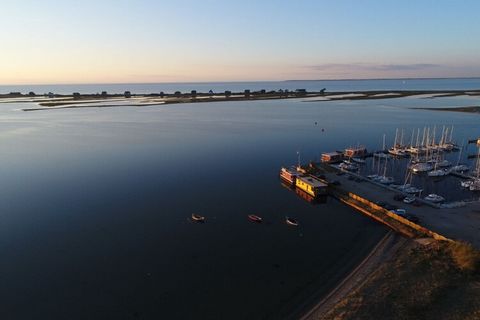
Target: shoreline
382	252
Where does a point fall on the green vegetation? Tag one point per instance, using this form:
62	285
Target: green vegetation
441	281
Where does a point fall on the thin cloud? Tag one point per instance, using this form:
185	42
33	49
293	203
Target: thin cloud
365	67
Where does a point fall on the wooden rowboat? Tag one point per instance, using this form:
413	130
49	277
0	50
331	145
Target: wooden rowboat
291	221
254	218
198	218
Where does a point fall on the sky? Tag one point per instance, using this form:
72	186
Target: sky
144	41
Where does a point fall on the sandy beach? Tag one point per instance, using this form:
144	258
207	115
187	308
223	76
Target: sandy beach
383	251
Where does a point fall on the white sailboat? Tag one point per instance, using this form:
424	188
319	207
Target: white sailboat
475	185
460	167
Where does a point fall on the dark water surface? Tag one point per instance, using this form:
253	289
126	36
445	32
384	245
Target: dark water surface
95	207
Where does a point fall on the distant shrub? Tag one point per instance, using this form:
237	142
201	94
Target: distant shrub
465	256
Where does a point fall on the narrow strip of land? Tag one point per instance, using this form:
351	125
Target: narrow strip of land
470	109
57	101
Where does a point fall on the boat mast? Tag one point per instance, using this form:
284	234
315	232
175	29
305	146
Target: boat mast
446	136
423	137
395	143
433	138
442	139
460	153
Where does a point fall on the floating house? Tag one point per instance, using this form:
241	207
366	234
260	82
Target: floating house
311	185
332	157
356	152
290	175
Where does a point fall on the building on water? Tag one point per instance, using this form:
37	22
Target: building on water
311	185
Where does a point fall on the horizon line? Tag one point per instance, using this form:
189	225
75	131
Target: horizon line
232	81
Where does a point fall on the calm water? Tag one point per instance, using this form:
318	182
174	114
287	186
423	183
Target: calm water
330	85
95	204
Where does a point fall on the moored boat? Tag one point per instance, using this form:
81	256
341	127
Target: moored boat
443	163
409	200
198	218
386	180
460	168
438	173
349	166
359	160
434	198
413	190
421	167
291	221
254	218
289	175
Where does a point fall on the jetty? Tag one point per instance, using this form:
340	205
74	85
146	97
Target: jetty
377	201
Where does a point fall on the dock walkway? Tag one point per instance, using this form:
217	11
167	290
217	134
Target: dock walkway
461	223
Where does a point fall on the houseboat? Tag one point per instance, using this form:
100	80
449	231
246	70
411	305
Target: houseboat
289	175
311	185
357	152
332	157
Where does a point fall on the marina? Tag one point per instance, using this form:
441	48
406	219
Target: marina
422	179
428	168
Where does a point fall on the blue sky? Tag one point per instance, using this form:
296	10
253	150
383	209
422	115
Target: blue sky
53	41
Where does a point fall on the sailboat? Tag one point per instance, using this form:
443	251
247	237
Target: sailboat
475	185
397	149
381	153
384	179
460	167
437	172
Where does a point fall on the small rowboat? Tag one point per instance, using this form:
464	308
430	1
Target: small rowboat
291	221
254	218
198	218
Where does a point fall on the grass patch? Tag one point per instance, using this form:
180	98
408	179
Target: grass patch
465	256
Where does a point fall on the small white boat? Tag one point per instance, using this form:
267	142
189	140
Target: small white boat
348	166
404	187
443	164
373	177
475	186
466	184
359	160
438	173
386	180
460	168
421	167
198	218
291	221
434	198
409	200
412	190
